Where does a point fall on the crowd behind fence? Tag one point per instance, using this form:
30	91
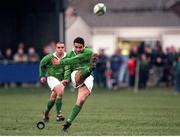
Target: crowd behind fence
21	66
157	66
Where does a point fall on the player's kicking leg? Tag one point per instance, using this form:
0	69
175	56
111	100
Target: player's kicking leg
83	93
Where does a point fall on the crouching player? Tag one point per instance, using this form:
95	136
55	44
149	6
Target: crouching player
81	63
54	74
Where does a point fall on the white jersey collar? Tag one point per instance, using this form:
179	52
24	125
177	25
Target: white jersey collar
54	54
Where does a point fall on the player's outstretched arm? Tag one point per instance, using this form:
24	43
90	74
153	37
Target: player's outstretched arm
85	56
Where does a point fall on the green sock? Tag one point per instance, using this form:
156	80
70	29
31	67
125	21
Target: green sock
74	112
86	72
58	105
50	105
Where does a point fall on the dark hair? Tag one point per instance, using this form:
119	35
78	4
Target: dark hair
59	42
79	40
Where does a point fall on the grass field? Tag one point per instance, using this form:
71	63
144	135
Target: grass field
150	112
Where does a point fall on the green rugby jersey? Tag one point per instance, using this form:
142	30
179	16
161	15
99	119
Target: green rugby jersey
77	61
46	68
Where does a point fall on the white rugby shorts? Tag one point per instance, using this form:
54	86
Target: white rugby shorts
53	82
88	81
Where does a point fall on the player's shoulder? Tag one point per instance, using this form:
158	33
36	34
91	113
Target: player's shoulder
87	49
65	55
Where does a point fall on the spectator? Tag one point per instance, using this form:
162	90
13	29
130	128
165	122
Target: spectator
134	52
141	48
21	45
1	56
115	63
166	74
32	55
143	71
101	68
178	54
123	72
20	56
8	58
159	61
171	54
49	48
148	52
177	75
1	61
131	70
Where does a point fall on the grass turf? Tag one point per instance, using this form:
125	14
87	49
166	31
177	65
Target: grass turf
106	113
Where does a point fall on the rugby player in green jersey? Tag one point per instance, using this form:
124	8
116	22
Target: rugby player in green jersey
81	62
54	75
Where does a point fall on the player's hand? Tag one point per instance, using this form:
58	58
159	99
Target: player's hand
65	82
55	61
95	56
93	61
43	80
